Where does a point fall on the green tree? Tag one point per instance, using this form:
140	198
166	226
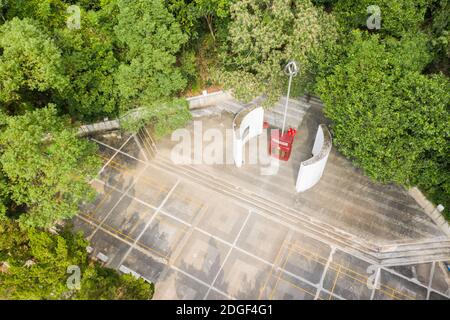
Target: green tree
392	120
149	39
189	12
210	10
87	57
30	62
90	64
397	17
46	166
34	265
164	116
99	283
48	13
439	30
263	37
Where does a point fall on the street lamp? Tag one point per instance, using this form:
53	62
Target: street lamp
281	146
290	70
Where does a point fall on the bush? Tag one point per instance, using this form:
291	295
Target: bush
263	37
35	266
397	17
392	120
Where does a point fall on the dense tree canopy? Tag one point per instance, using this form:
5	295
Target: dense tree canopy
90	64
386	92
149	38
263	37
389	117
35	265
47	168
30	61
190	14
397	17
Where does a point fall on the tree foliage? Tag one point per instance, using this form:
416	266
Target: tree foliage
397	17
387	116
29	61
90	65
34	265
150	38
191	13
263	37
46	166
165	116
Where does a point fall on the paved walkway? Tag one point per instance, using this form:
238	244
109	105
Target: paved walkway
197	243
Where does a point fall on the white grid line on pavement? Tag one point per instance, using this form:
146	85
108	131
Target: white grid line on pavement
142	170
260	213
271	218
414	281
162	211
200	281
376	283
115	154
325	269
228	254
118	151
430	281
149	222
112	234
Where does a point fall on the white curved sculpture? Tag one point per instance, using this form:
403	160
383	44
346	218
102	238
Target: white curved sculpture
247	124
312	169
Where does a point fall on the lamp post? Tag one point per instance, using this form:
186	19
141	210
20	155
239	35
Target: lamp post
290	70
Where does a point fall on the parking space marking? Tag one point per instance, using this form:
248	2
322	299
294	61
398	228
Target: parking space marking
120	199
347	271
117	151
297	287
377	282
228	253
430	281
160	217
342	271
146	180
279	276
411	281
200	281
149	222
324	272
317	258
97	207
121	237
335	281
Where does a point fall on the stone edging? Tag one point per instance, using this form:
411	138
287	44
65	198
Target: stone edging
430	209
207	99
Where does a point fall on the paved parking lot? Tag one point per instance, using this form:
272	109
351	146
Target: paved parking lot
194	243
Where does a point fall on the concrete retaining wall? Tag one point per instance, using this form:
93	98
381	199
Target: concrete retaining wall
208	99
99	127
430	209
